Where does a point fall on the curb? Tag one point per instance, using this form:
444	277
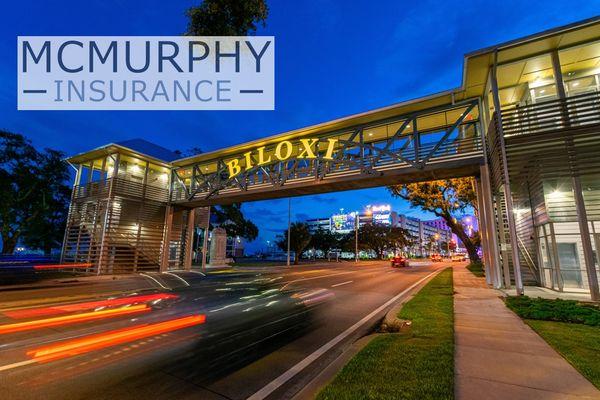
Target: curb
314	386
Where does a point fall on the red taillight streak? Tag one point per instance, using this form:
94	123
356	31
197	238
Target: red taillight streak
59	266
103	340
64	308
71	319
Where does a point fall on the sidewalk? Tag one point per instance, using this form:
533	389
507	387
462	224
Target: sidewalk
497	356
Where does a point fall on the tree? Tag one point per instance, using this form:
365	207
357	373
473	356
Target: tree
380	238
300	238
34	201
46	231
226	17
325	240
192	151
232	219
446	199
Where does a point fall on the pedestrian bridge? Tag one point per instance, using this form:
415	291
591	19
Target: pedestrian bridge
388	146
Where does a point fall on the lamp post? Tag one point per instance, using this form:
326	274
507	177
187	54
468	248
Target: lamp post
356	237
289	230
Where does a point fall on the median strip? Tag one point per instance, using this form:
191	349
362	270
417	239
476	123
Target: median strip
414	364
300	366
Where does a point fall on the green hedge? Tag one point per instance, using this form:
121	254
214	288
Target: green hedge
554	310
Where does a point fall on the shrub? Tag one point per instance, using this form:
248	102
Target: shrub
554	310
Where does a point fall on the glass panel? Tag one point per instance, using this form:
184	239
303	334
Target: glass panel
375	134
158	176
580	67
569	265
526	82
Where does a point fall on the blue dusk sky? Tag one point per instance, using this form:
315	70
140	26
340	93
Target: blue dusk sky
333	58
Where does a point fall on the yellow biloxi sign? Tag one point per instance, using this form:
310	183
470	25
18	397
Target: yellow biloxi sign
306	149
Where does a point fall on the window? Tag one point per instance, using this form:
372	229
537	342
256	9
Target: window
526	82
580	68
570	269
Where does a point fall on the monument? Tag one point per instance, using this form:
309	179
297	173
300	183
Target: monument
218	246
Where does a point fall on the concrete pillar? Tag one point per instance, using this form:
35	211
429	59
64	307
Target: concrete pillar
512	228
584	230
189	240
481	214
164	261
586	242
490	227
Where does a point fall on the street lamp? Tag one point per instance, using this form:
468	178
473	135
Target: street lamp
356	237
289	230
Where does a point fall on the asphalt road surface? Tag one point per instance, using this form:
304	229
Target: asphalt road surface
34	365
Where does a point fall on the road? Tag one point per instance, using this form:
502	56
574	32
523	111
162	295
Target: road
282	368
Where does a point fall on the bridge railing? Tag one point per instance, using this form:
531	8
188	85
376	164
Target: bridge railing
432	139
575	111
122	187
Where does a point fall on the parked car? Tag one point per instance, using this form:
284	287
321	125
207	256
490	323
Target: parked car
436	258
399	261
459	257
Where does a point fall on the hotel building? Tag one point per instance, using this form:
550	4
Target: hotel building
426	238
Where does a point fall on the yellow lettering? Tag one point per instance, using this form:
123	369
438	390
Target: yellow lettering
330	147
307	152
261	156
288	150
234	168
248	157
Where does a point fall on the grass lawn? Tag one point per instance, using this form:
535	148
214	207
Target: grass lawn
418	364
570	327
577	343
476	269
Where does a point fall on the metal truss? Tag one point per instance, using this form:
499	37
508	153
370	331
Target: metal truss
356	153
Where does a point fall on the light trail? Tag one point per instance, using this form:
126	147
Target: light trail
61	266
100	341
89	305
71	319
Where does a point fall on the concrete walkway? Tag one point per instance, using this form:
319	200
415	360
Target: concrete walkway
497	356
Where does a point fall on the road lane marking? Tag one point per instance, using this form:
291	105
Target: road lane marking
296	369
340	284
326	276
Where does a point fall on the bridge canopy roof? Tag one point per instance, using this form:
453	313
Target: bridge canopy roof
476	69
138	148
475	72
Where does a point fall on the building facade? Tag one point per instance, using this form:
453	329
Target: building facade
525	122
427	237
469	222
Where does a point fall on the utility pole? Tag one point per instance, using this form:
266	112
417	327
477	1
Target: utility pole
289	230
356	238
205	241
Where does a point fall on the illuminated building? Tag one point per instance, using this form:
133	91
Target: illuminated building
427	238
